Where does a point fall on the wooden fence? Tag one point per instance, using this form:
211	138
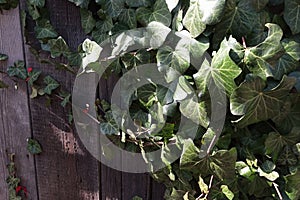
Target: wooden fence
65	170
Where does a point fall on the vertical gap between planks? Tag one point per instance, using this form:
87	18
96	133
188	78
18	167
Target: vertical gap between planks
28	96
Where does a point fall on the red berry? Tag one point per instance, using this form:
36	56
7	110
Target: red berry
29	69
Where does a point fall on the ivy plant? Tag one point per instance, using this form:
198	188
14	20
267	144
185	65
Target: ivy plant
255	50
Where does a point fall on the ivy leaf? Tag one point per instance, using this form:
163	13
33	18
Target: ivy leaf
293	185
81	3
192	18
33	146
33	76
38	3
292	47
92	52
238	19
289	115
260	4
128	17
51	84
260	58
140	3
159	13
103	26
58	47
212	11
3	85
292	15
109	127
174	58
227	192
45	30
131	60
114	7
87	21
18	70
171	4
222	69
254	104
3	57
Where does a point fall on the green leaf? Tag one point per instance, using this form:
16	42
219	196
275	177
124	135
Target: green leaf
203	186
45	30
212	11
131	60
222	70
260	58
18	70
238	19
267	170
33	146
140	3
3	85
227	192
114	7
293	185
3	57
171	4
128	17
260	4
292	47
292	15
254	104
38	3
81	3
289	115
243	169
159	13
58	47
103	26
33	76
109	127
87	21
51	84
192	18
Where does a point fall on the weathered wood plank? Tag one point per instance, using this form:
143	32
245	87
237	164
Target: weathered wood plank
14	110
65	169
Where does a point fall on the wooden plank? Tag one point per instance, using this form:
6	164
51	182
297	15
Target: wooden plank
158	190
136	185
14	110
65	169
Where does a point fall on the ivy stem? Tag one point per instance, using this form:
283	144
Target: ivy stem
273	127
277	190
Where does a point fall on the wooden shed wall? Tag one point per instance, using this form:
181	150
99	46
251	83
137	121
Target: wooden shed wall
65	170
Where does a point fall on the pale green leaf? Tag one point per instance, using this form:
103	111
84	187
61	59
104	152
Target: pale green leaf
227	192
159	13
222	70
260	58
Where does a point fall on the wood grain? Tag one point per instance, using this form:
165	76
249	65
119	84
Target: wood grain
14	110
65	169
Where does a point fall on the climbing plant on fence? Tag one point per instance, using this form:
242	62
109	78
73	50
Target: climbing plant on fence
255	50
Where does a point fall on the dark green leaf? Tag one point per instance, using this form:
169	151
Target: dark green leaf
293	185
33	146
87	21
18	70
254	104
51	84
114	7
38	3
58	47
45	30
3	57
33	76
128	17
292	15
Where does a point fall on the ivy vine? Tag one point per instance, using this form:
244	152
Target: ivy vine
255	47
